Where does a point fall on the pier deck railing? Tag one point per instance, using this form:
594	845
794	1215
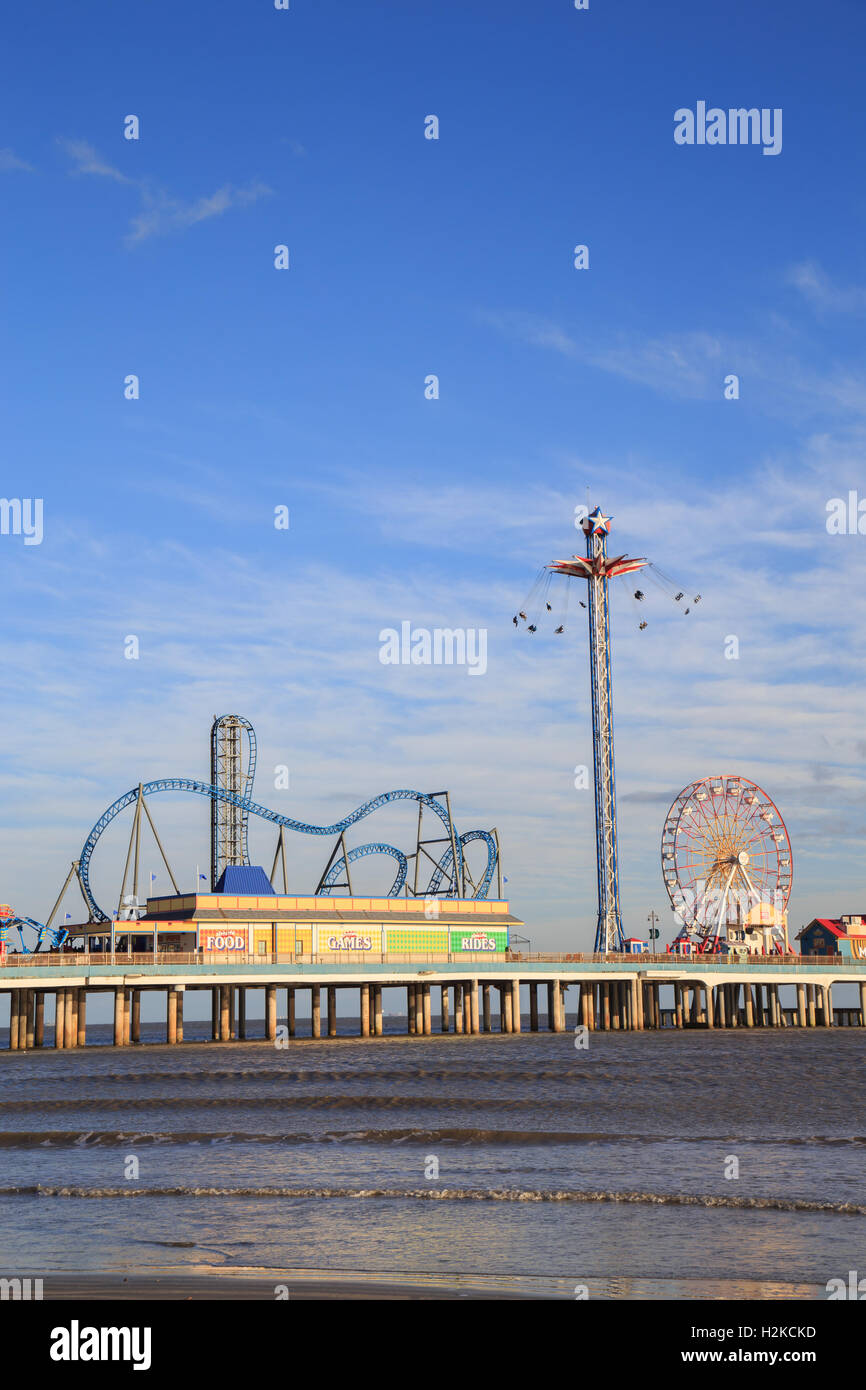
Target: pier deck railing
206	959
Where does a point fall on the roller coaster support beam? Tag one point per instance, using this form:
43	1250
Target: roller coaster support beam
457	876
134	840
74	869
159	846
280	853
338	852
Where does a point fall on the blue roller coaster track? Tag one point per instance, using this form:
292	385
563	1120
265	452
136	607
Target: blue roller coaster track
206	789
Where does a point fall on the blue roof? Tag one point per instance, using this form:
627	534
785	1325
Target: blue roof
244	880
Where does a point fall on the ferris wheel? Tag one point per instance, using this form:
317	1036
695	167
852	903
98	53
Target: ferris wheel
727	863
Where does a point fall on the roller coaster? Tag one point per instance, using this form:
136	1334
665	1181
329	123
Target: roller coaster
440	867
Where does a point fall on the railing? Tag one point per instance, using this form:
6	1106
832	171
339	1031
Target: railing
208	959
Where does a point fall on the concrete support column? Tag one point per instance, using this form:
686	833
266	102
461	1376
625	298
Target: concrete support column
810	1006
678	1005
290	1009
129	996
332	1010
365	1012
458	1008
215	1013
605	1005
181	995
708	1007
507	1009
378	1025
271	1013
749	1006
241	1011
427	1011
589	1002
118	1020
615	987
551	1006
13	1020
826	1006
560	1006
419	1011
410	1008
81	1018
316	1011
863	1006
225	1015
472	996
171	1016
533	1008
59	1018
443	1008
39	1024
697	1002
486	1009
637	995
516	1024
801	1005
23	1012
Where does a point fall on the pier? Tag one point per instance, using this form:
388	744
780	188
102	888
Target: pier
473	997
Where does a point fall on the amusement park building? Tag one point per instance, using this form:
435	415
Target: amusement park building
834	936
266	923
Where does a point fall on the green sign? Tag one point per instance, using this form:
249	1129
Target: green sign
478	940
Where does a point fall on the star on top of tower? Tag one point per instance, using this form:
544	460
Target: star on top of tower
597	523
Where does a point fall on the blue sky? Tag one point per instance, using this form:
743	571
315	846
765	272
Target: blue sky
306	388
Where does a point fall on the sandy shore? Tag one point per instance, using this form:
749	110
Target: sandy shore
173	1287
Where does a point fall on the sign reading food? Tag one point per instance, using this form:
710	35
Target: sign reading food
223	940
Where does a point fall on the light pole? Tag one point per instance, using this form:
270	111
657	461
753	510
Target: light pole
653	931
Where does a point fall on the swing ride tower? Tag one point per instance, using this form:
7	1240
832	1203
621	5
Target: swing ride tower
597	568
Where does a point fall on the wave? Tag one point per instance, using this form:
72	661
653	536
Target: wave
448	1195
524	1138
272	1103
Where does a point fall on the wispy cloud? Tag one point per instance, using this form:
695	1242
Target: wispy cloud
678	364
692	364
86	160
816	286
9	161
161	212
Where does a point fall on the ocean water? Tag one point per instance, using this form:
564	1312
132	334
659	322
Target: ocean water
503	1163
